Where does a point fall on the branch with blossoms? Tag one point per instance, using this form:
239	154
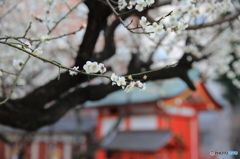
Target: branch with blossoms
228	18
90	68
157	26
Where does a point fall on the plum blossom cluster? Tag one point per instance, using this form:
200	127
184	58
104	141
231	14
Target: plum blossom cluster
219	6
90	67
26	45
159	27
127	86
139	5
94	67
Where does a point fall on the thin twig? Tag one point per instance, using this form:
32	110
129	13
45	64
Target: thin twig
27	30
79	71
52	62
143	73
216	22
56	24
8	72
37	40
15	81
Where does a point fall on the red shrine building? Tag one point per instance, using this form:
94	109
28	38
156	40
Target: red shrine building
165	129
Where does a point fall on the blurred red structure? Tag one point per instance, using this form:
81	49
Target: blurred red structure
166	129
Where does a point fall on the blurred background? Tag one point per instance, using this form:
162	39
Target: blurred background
189	108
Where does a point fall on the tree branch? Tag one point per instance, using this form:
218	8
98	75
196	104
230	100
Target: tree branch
216	22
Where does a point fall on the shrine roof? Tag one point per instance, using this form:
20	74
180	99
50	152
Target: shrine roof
138	140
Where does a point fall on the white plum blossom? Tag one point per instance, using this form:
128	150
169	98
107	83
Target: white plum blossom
130	5
145	77
209	7
182	25
133	2
195	12
114	79
87	66
94	67
121	81
122	4
38	51
138	84
159	29
150	2
154	25
143	22
44	38
129	87
231	75
18	64
141	4
26	45
73	72
236	82
102	68
91	67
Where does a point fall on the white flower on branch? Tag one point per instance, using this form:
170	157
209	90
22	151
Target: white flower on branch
130	5
143	22
114	79
133	2
44	38
121	82
94	68
38	51
141	4
73	72
26	45
18	64
150	2
91	67
122	4
231	75
102	68
87	67
129	87
182	25
145	77
138	84
159	29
